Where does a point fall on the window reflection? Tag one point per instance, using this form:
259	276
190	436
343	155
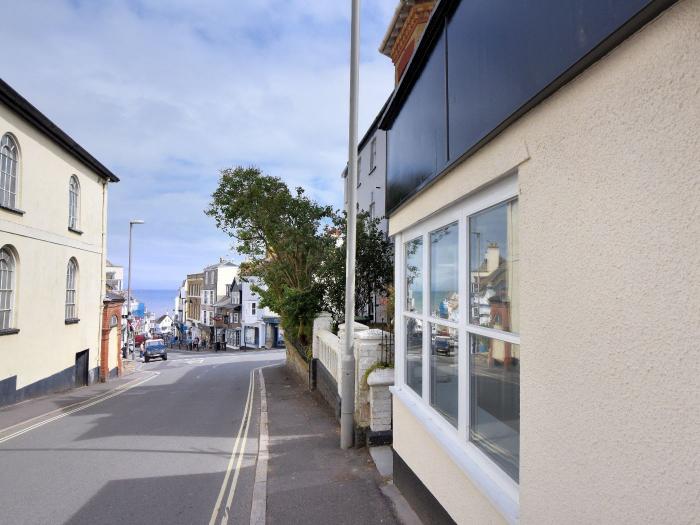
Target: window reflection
494	418
444	393
414	354
444	277
494	268
414	275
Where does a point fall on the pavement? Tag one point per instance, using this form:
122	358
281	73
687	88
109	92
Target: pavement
200	438
309	478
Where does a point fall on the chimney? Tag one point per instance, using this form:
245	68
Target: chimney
404	32
493	257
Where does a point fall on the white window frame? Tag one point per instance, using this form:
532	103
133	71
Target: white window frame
235	318
8	287
9	171
494	483
72	280
253	308
373	154
74	203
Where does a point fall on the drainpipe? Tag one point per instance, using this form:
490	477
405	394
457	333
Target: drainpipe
347	391
103	282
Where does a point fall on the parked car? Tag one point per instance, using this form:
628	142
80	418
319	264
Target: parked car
155	348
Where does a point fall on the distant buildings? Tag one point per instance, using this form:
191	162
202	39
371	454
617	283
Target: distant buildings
223	310
58	327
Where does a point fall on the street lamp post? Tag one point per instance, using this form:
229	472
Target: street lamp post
347	380
130	333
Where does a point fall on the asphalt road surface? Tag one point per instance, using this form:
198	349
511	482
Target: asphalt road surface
178	444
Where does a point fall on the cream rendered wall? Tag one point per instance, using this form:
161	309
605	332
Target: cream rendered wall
609	180
45	344
113	348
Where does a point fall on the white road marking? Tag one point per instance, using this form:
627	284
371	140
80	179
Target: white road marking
240	452
81	406
222	491
258	509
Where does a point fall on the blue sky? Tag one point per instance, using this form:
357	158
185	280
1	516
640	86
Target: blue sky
167	92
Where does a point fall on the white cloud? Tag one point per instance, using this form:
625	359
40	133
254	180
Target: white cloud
166	93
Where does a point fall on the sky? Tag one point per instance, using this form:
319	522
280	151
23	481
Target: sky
166	93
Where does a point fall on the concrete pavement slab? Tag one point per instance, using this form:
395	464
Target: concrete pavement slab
310	479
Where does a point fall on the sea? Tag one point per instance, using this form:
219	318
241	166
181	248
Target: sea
157	301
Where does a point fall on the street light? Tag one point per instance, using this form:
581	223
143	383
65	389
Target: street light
347	380
130	336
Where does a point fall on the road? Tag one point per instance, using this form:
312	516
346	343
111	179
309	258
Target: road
160	450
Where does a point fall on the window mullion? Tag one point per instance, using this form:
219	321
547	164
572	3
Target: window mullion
463	349
426	325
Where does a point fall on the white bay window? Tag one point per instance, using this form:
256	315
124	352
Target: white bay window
459	347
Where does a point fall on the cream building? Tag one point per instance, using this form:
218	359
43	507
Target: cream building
543	190
53	211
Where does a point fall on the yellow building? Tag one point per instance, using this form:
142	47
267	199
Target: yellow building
542	192
53	212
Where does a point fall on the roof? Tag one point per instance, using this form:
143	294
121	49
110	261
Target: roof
21	106
224	302
395	26
109	264
162	318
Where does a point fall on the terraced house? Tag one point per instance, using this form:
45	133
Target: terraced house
53	211
542	191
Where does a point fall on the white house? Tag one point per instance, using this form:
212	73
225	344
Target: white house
53	220
259	326
164	324
542	177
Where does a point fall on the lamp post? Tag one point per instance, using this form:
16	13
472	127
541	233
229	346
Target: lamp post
130	336
347	380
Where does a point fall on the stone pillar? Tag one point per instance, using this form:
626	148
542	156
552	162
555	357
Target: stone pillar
367	353
379	382
324	321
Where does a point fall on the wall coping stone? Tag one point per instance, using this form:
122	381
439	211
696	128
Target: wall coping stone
381	377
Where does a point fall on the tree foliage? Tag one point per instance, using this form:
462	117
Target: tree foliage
297	247
280	233
374	269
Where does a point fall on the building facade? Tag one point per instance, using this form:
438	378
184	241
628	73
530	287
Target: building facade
195	282
52	255
542	173
217	282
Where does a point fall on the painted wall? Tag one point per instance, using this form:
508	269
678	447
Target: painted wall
609	193
45	345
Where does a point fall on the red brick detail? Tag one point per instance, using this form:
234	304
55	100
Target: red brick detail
110	309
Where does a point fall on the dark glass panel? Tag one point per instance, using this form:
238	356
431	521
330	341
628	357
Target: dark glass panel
417	142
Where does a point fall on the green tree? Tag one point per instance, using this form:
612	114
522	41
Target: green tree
374	266
280	233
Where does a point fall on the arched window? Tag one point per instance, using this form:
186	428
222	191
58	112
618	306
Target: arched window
74	203
72	290
7	288
9	159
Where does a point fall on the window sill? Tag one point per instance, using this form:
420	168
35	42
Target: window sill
74	230
16	211
9	331
490	480
72	321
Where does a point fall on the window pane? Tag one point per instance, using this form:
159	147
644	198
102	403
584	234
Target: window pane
494	268
444	290
414	354
444	391
414	275
495	401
